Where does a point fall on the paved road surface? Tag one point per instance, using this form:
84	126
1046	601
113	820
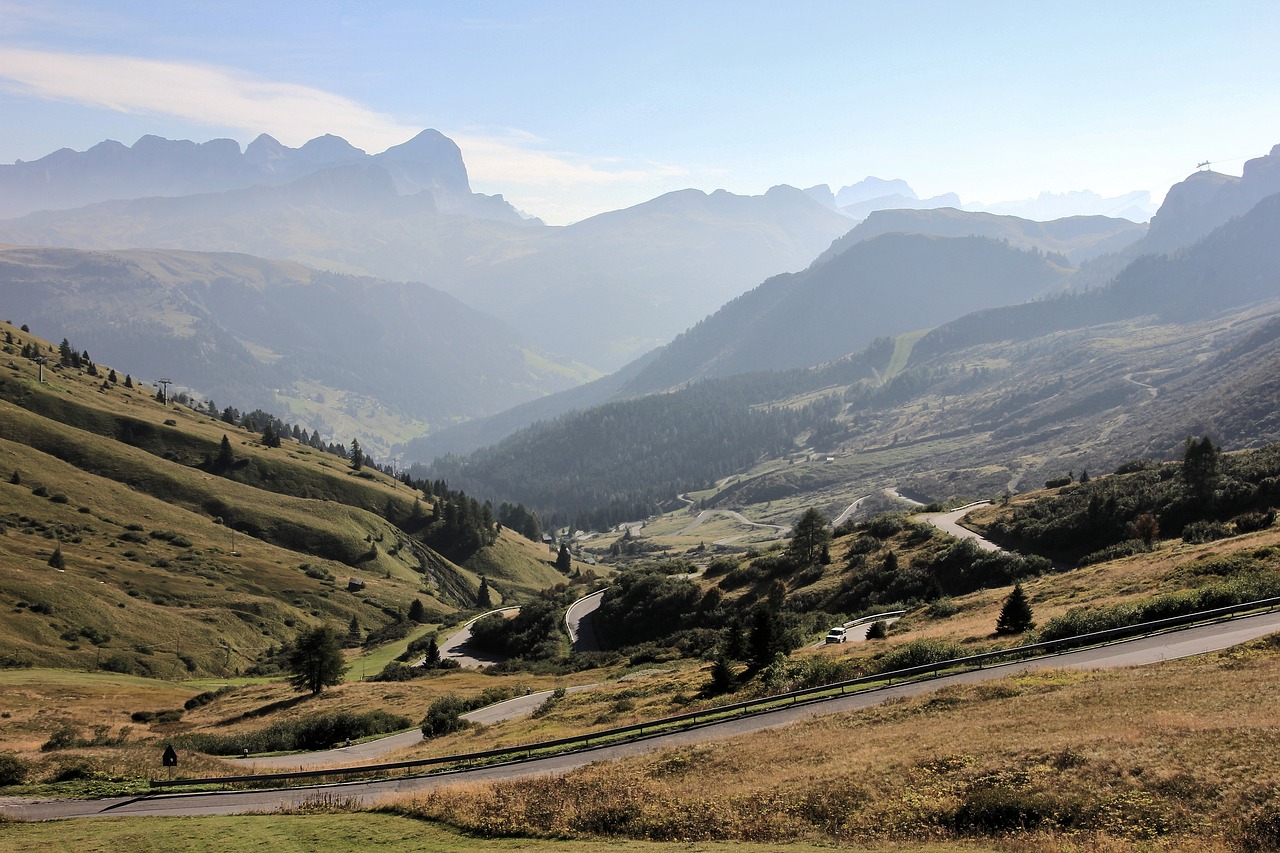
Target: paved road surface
456	648
579	618
1145	650
949	522
848	511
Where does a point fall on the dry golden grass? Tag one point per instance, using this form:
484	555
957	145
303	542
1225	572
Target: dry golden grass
1057	760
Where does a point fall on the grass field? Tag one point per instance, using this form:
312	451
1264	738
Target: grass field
1057	760
338	833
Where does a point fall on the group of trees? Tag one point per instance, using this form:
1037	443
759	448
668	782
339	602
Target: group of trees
1148	499
617	462
532	634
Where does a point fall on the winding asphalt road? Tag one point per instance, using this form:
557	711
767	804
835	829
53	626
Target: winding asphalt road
1137	652
579	618
455	648
949	522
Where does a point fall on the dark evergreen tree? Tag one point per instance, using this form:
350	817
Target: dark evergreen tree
270	438
731	639
56	560
315	660
1015	615
483	599
431	658
16	478
764	637
353	632
417	612
128	381
225	457
1200	468
357	455
809	536
564	560
111	377
723	678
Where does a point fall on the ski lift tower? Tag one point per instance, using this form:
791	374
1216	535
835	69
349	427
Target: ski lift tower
164	389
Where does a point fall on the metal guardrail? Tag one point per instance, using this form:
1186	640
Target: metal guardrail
693	719
862	620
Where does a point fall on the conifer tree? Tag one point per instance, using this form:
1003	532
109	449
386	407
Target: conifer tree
1015	616
56	560
483	599
225	457
357	455
417	612
432	658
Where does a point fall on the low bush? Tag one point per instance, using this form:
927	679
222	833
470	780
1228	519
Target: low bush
316	732
920	653
13	770
1224	593
1202	531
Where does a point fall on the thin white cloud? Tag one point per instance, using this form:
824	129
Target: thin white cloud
221	97
198	93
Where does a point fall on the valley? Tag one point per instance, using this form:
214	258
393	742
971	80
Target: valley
280	579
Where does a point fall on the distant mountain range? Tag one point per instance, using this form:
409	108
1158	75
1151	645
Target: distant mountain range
1177	345
430	163
872	194
837	306
601	291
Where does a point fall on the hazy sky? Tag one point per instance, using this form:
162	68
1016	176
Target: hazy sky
571	108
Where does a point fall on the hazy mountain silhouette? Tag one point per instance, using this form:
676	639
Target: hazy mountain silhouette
601	291
887	285
163	167
241	329
1079	238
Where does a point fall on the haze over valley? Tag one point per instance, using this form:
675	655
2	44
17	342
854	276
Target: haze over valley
574	425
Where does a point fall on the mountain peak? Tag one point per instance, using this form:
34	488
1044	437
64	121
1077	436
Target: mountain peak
329	148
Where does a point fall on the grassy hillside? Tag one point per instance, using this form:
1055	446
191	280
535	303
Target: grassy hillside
175	566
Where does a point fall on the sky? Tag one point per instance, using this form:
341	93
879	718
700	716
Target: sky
574	107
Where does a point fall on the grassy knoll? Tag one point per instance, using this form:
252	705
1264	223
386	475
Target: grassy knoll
318	830
1057	760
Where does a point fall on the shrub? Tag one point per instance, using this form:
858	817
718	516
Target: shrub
1202	531
119	662
919	653
877	630
1250	521
445	716
397	671
943	607
315	732
13	770
74	771
202	699
1127	548
63	737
